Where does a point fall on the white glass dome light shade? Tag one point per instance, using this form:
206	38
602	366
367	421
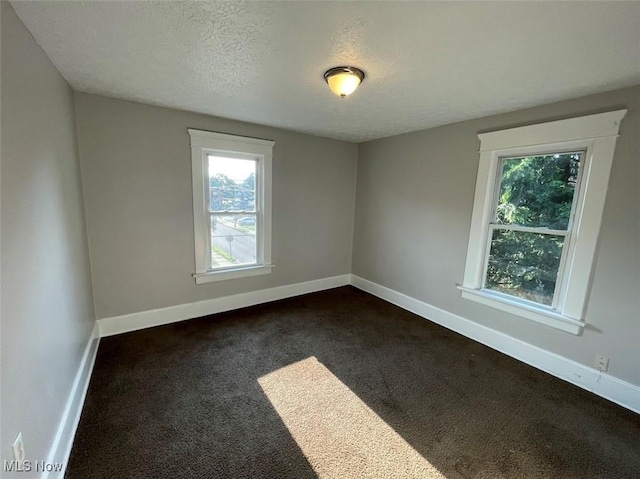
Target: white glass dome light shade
343	81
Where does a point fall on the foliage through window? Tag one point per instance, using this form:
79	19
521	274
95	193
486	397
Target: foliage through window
531	225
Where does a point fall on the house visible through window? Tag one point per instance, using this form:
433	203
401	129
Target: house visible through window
231	204
540	193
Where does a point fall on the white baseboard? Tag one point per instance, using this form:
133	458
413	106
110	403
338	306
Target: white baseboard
609	387
172	314
63	440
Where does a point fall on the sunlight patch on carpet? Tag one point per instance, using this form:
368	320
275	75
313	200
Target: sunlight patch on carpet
338	433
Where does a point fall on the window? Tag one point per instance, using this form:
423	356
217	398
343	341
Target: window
530	225
231	205
539	198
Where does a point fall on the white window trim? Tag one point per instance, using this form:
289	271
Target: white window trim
204	143
596	135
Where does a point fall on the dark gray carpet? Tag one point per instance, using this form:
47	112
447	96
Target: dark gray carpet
184	401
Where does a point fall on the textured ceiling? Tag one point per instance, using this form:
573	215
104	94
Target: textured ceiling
427	63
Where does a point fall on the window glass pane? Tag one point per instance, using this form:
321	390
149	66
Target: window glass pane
538	191
232	184
233	240
524	264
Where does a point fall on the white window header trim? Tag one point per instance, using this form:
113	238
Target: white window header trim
212	139
584	127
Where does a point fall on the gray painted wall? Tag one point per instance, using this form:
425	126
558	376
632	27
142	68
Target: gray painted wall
413	212
47	308
136	169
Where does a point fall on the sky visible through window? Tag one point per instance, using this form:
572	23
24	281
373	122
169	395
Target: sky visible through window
237	170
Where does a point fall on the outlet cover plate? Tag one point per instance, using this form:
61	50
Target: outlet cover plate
601	363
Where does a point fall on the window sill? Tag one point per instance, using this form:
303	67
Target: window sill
236	273
539	315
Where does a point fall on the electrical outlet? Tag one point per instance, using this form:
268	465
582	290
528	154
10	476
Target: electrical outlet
601	363
18	448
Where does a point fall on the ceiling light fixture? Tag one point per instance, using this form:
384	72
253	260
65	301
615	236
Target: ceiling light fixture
343	81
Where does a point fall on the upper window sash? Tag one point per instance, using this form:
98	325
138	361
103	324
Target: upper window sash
233	156
595	135
500	178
